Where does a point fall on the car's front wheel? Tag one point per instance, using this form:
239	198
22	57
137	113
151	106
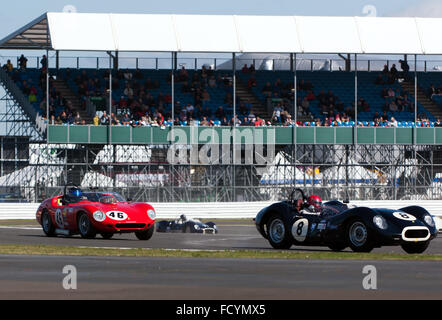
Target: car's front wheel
278	234
359	237
145	235
107	236
47	224
87	230
415	248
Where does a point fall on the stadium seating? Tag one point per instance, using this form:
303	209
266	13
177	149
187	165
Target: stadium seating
340	83
342	86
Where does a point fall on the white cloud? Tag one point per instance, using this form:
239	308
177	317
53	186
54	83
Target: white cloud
425	8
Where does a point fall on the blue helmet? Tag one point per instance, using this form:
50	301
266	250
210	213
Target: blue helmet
75	192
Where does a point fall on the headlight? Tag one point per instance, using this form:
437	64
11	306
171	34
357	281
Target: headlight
152	215
197	227
99	216
429	220
380	222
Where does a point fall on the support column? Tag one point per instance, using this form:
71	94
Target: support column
356	101
295	115
415	124
234	125
172	171
110	100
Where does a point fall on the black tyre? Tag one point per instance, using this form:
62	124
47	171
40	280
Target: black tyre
145	235
87	230
187	228
47	224
107	236
278	233
359	237
337	247
415	248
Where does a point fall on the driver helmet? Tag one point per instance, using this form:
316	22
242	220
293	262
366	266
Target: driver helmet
183	217
75	192
315	202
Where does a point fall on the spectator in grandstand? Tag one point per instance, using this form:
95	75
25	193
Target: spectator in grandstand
125	120
405	69
8	67
251	83
394	72
432	91
438	123
393	107
104	120
252	68
379	80
311	96
245	69
44	63
22	62
77	119
259	122
267	89
96	120
128	91
220	114
393	122
128	75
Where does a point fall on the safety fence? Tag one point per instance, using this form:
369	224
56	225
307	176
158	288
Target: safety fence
220	210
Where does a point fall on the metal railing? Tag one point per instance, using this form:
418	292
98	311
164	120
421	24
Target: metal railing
217	63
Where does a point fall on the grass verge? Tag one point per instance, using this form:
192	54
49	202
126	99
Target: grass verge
234	254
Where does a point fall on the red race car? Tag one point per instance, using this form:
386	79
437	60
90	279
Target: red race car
92	213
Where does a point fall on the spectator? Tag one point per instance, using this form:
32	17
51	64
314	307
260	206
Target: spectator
77	119
8	67
96	120
104	120
22	62
44	63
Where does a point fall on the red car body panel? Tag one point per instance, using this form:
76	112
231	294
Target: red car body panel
64	217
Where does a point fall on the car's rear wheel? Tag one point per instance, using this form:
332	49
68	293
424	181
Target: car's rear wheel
278	234
145	235
415	247
107	236
87	230
47	224
359	237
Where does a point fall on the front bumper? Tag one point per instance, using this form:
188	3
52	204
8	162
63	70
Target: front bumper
123	227
406	235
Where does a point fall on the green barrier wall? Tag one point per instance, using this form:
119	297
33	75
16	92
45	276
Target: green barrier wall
244	135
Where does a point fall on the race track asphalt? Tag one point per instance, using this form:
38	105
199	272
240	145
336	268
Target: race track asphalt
41	277
231	236
38	277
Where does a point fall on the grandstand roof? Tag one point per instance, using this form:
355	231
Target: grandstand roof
228	33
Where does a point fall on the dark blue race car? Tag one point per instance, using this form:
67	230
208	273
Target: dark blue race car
185	225
339	226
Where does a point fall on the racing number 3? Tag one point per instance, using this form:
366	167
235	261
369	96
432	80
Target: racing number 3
300	230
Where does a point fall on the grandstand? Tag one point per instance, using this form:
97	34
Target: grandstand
113	127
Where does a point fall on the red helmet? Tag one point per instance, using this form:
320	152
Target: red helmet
316	202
